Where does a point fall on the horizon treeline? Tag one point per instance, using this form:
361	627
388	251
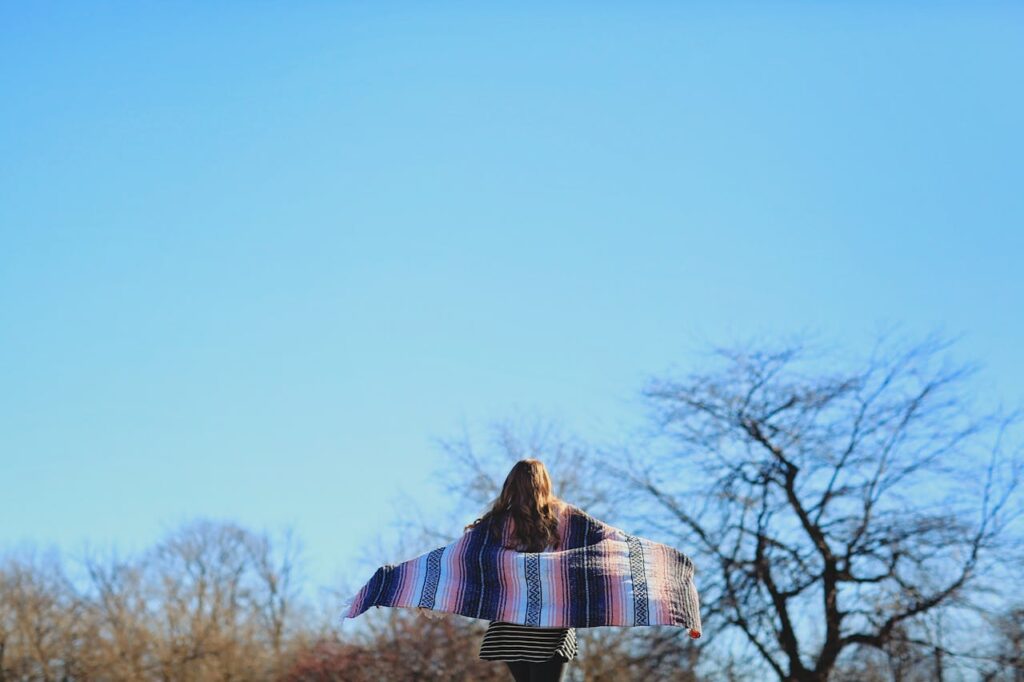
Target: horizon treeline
850	519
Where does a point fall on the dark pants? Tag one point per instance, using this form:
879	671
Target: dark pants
528	671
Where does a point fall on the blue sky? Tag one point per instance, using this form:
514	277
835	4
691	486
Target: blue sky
256	257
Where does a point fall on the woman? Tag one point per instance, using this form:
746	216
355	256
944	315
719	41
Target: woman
501	570
532	654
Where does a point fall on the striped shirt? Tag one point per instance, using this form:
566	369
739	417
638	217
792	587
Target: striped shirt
514	642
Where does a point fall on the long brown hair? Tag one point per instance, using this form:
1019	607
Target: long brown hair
526	498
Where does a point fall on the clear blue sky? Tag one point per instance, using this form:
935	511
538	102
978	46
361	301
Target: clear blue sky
256	256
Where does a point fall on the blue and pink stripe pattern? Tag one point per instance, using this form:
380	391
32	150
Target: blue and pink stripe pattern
598	576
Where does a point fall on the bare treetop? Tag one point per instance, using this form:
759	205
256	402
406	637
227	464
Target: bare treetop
829	508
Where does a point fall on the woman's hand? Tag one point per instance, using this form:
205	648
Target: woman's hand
428	613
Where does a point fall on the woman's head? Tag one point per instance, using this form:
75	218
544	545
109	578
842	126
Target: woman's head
526	497
527	486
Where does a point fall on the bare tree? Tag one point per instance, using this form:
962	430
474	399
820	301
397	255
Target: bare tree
123	638
41	619
225	597
210	601
474	475
829	510
1008	657
274	592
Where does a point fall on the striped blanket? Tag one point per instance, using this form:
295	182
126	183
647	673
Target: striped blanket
599	576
